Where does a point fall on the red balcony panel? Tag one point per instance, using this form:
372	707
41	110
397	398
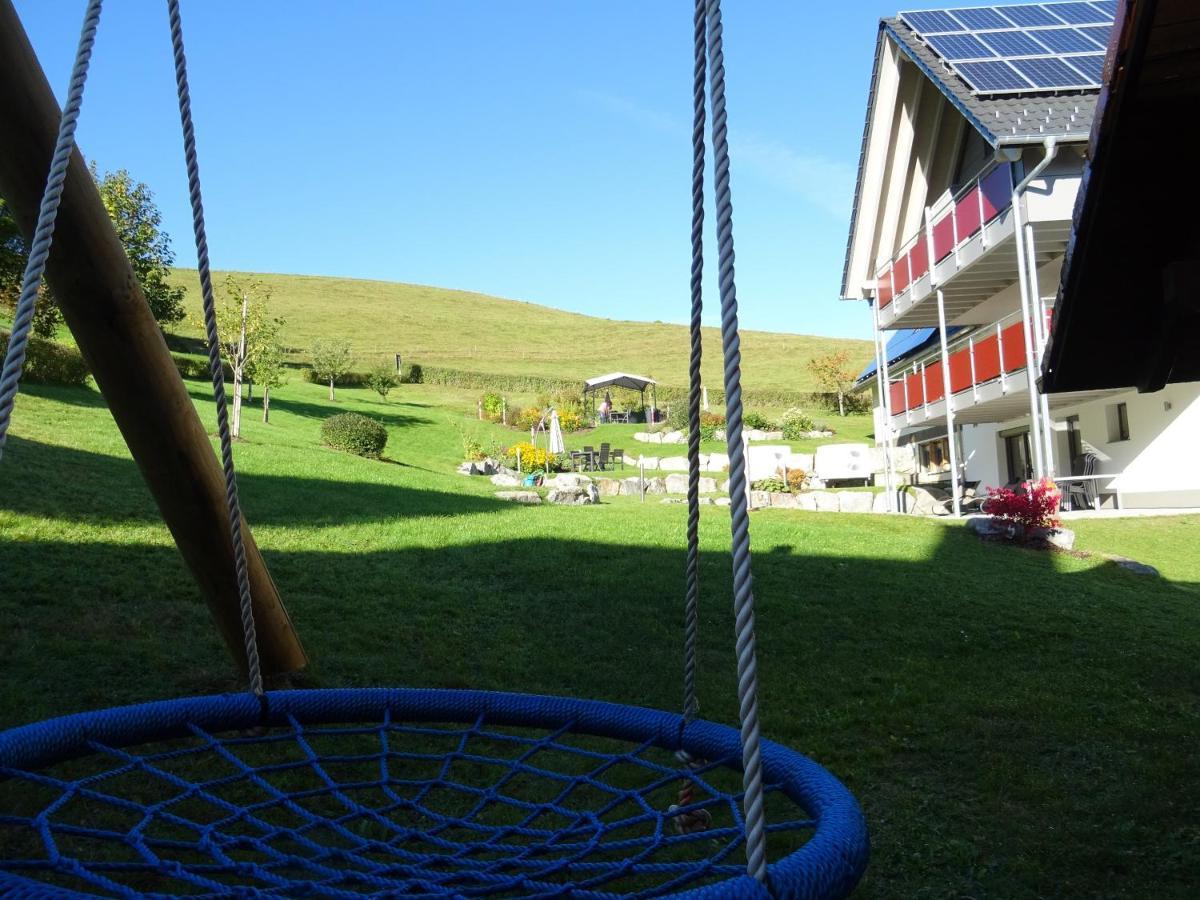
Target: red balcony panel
987	360
900	277
883	288
934	384
960	370
943	237
967	211
997	192
916	394
918	258
1014	347
896	388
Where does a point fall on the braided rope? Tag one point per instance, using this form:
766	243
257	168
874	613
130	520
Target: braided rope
691	704
743	588
43	235
214	350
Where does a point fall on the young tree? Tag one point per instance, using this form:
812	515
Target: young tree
331	360
138	222
382	378
834	374
247	330
268	372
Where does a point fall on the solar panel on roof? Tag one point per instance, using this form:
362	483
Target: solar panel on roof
1024	48
1098	33
1029	15
981	18
959	46
994	75
1092	66
932	22
1012	43
1047	72
1064	40
1079	13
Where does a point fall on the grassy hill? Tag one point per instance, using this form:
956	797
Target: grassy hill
480	333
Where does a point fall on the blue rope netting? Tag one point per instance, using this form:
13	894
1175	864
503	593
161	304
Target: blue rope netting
351	793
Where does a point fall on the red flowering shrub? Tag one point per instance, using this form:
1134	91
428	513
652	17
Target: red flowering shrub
1031	505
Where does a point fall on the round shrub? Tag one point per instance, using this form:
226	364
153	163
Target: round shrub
49	363
354	434
796	424
756	420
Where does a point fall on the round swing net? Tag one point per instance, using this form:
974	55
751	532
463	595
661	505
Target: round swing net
411	792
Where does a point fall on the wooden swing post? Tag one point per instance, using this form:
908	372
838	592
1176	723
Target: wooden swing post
107	313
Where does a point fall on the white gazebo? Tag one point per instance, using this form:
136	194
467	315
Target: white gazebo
637	383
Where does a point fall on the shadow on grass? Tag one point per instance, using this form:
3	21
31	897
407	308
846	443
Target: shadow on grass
388	416
81	486
974	700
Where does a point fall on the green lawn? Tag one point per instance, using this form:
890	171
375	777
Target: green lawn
480	333
1015	724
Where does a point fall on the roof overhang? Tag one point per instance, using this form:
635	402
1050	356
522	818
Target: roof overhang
1128	313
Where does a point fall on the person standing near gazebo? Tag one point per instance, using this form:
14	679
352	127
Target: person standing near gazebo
605	407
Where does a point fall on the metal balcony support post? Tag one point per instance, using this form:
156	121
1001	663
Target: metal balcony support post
924	392
948	400
907	402
885	400
954	227
1000	352
983	241
929	253
1039	333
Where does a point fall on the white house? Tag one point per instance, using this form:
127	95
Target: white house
973	155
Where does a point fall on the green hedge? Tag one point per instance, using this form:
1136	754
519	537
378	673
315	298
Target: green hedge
49	363
354	434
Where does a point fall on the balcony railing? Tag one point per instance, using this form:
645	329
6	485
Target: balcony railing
950	226
986	355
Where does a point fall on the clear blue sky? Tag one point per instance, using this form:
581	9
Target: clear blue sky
534	149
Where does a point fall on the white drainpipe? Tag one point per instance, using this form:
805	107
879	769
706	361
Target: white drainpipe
1025	267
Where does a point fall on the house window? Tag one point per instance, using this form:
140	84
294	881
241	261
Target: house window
1074	442
1117	415
1016	452
935	457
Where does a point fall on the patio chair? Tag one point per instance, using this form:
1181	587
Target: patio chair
602	462
1083	490
588	456
618	456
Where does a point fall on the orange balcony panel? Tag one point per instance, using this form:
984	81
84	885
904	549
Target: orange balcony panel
967	211
900	277
934	385
943	237
918	258
997	193
987	360
883	288
916	394
1014	347
897	396
960	371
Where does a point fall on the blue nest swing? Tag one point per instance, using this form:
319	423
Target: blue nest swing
425	793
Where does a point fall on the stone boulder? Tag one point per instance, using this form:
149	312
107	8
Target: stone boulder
781	500
1132	565
759	499
724	486
478	467
648	437
922	500
722	501
673	464
880	502
529	497
608	487
806	500
630	487
801	461
503	479
568	480
856	501
708	485
716	462
998	530
649	463
574	496
676	483
826	501
656	485
674	437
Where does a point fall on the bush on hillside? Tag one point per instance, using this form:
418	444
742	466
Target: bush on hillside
771	485
411	373
532	459
349	379
354	434
49	363
525	418
757	420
